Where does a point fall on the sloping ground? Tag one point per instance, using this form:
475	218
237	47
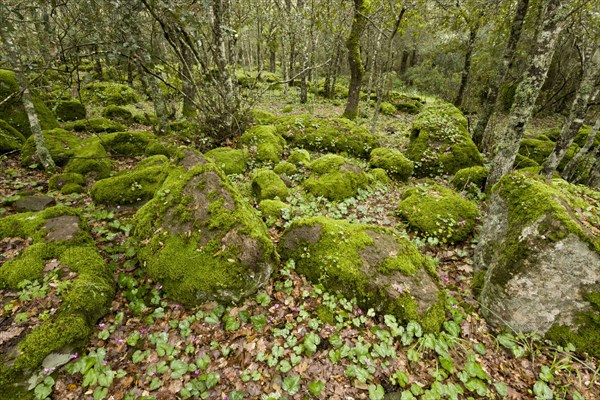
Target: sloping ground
293	339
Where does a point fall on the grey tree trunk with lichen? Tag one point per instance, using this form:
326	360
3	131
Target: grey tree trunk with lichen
357	69
590	65
488	108
569	170
464	79
527	93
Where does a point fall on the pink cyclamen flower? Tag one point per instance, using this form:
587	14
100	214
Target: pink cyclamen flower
74	356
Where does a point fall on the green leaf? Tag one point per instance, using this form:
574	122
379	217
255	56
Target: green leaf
480	348
259	321
376	392
507	340
476	386
452	328
139	356
316	387
501	388
546	374
178	369
542	391
263	299
291	384
236	395
285	366
400	378
474	369
407	395
412	355
44	389
155	384
414	328
100	393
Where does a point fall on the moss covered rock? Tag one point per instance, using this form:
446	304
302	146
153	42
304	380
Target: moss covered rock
272	210
379	175
130	187
90	159
60	143
262	117
387	108
405	103
109	93
539	148
70	110
268	185
540	251
231	161
203	240
264	143
12	110
470	180
392	161
67	183
380	269
118	114
56	233
10	138
440	143
334	135
127	143
299	157
524	162
95	125
335	178
438	212
285	168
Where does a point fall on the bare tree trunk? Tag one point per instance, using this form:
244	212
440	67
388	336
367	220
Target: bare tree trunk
188	88
527	93
508	58
571	167
357	70
590	65
259	42
464	78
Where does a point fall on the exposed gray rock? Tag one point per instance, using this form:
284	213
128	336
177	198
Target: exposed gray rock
33	203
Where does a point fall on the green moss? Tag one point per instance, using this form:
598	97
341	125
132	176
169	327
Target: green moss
379	175
334	253
582	135
478	282
13	112
90	159
287	109
268	185
264	142
60	181
118	114
285	168
10	138
524	162
440	143
127	143
152	161
70	110
536	149
138	185
94	125
470	179
197	256
529	199
404	103
262	117
387	108
327	163
231	161
299	157
335	178
272	209
393	162
29	266
107	93
59	142
326	315
439	212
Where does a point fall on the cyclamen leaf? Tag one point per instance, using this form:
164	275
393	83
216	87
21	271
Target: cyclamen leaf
291	384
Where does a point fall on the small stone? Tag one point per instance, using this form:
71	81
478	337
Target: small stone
33	203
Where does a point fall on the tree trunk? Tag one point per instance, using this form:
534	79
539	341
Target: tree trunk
527	93
357	70
259	43
590	64
188	88
508	58
403	62
571	167
464	79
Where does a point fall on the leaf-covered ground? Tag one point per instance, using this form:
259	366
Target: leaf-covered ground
293	339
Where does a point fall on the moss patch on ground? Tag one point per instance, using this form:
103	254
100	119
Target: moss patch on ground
231	161
130	187
393	162
90	159
266	184
335	178
70	110
264	143
95	125
60	143
109	93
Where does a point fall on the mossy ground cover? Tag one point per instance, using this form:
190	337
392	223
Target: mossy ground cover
306	341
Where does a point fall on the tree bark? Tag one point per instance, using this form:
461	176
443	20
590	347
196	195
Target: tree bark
464	79
590	65
508	58
188	88
527	93
357	70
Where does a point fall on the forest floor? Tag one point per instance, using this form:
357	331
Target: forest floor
293	339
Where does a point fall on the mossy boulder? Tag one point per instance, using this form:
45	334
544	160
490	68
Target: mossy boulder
60	143
273	209
127	143
522	161
299	157
60	234
109	93
67	183
333	135
118	114
539	249
383	271
387	108
262	117
335	178
90	159
264	143
470	180
152	161
266	184
10	138
130	187
393	162
582	135
539	148
285	168
231	161
70	110
405	103
438	212
440	143
12	110
379	175
95	125
203	240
